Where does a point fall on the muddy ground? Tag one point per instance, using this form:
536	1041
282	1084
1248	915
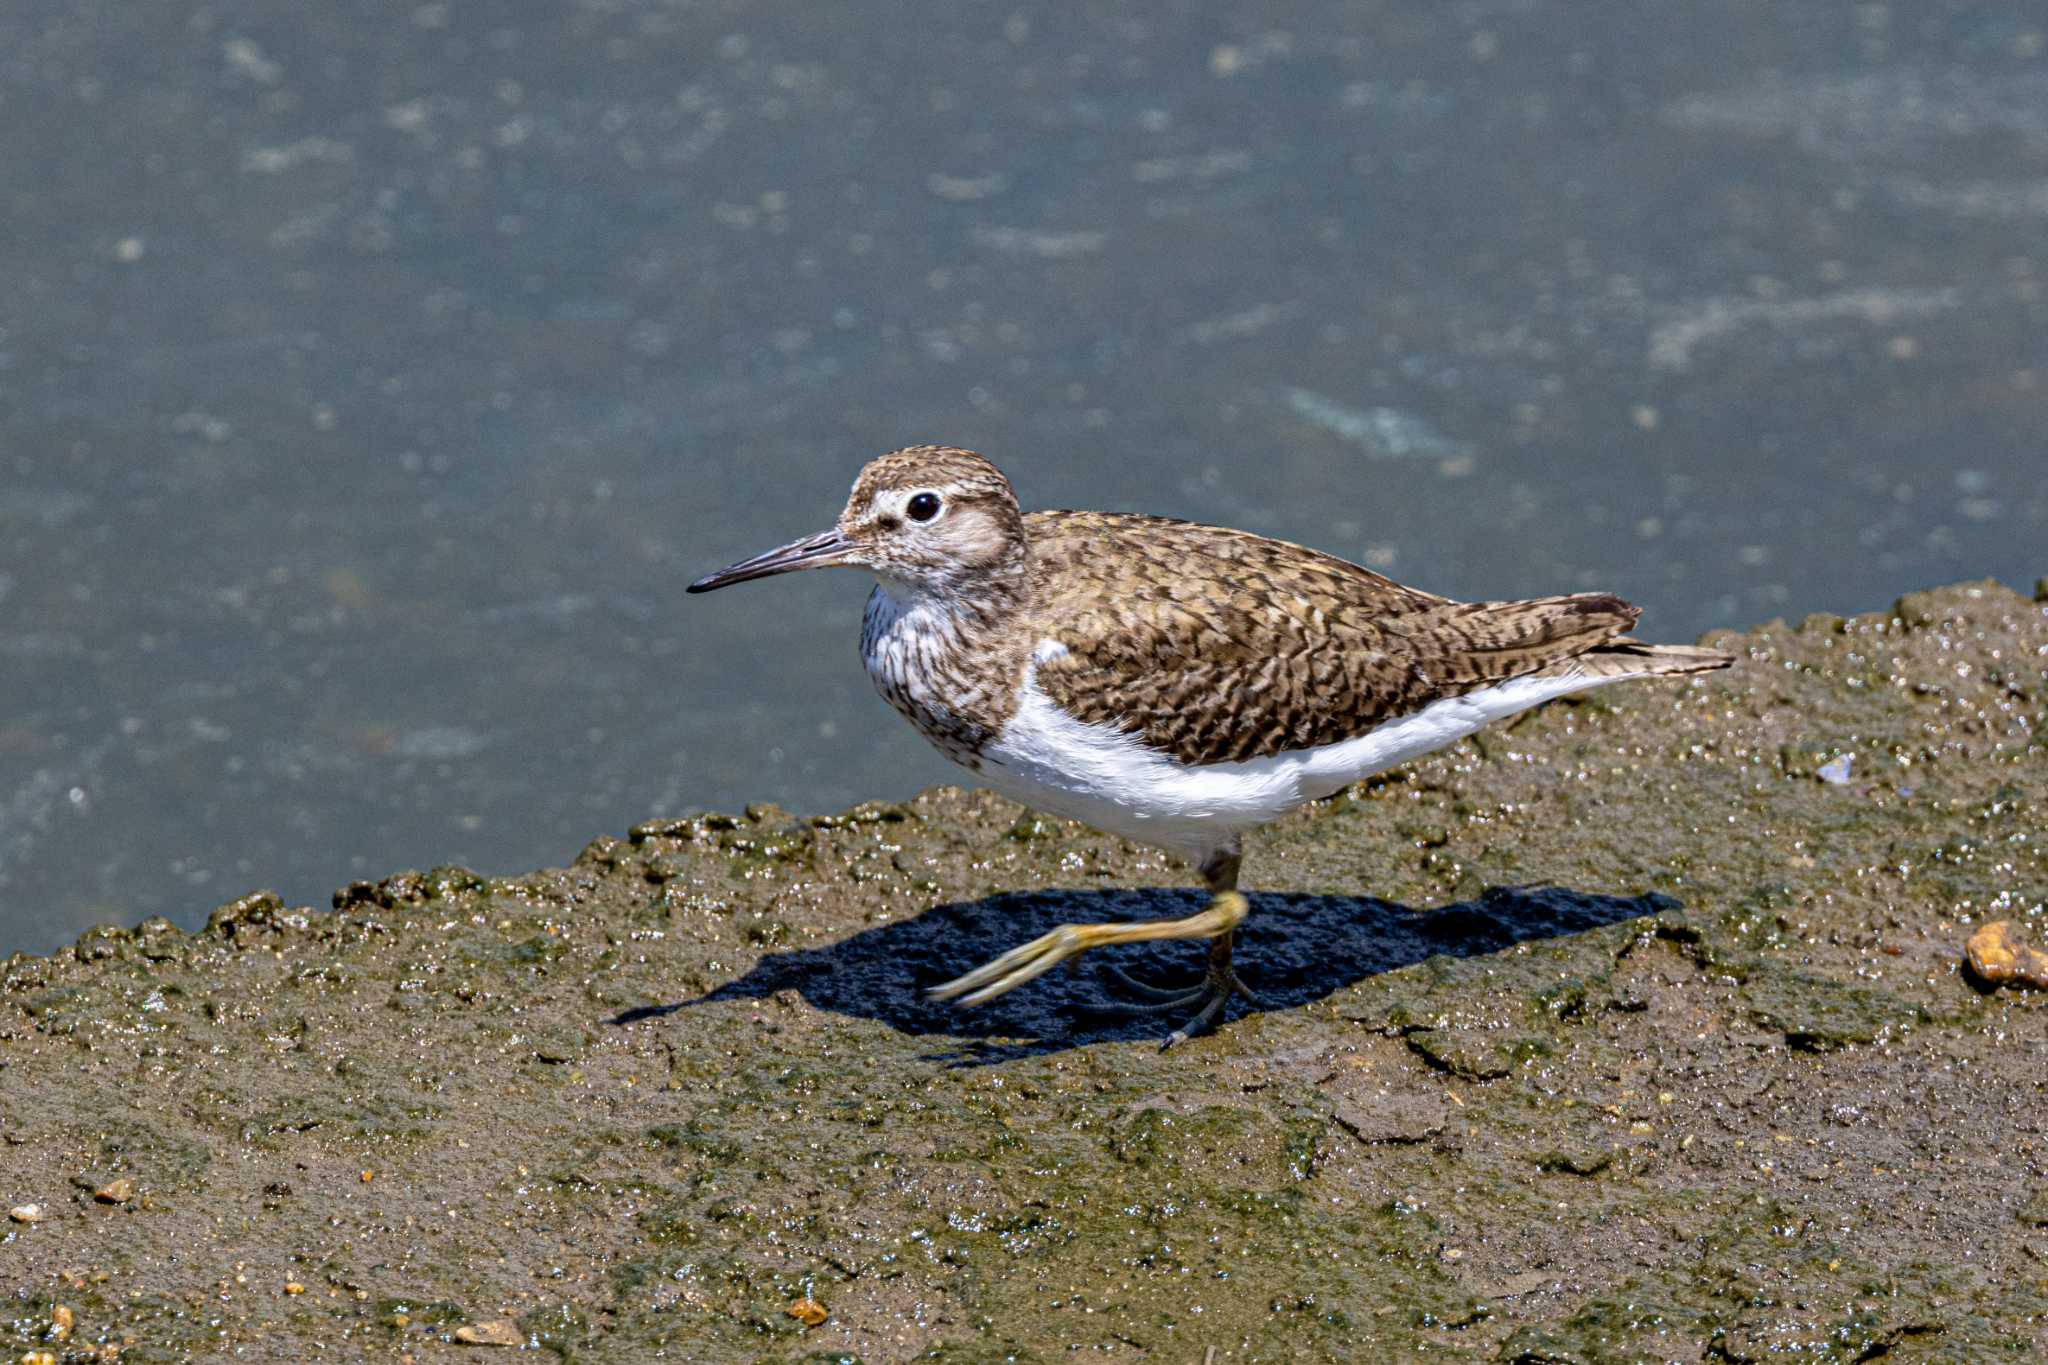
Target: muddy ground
1636	1031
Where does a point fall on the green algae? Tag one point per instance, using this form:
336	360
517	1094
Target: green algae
1651	1046
1816	1013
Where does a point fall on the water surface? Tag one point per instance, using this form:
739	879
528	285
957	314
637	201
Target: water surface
372	377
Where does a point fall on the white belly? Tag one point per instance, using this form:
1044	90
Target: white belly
1106	778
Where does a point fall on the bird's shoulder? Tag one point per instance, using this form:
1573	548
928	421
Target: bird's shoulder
1085	562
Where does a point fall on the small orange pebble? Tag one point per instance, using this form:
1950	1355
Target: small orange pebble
807	1311
294	1287
368	1176
2000	960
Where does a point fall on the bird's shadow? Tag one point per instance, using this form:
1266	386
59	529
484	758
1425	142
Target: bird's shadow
1292	949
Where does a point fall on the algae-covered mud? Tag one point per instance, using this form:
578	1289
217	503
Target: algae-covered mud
1636	1031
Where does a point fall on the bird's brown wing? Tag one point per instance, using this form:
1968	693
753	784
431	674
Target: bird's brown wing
1215	645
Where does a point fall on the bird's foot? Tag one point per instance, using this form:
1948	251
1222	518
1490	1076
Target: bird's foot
1047	951
1154	998
1020	965
1210	998
1207	998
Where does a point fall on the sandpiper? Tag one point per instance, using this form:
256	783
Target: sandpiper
1174	683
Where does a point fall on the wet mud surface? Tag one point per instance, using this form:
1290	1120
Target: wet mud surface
1638	1031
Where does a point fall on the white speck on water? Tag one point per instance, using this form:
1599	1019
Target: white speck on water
961	189
440	741
1896	110
1383	433
245	58
1985	199
1200	167
1050	246
26	813
1672	344
276	160
1836	770
409	117
1232	326
214	430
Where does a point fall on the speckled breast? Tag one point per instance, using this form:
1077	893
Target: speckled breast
909	659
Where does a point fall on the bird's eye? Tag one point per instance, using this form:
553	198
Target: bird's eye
923	507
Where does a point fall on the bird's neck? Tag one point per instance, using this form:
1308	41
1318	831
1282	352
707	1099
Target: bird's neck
964	608
947	656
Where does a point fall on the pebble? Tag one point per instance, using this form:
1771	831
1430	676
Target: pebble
118	1191
27	1213
496	1332
2001	960
807	1311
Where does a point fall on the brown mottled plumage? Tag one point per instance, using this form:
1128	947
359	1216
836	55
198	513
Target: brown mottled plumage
1218	646
1174	682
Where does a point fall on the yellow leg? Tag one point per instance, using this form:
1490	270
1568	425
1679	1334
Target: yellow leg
1047	951
1216	922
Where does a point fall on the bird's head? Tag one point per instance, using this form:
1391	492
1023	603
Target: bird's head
926	520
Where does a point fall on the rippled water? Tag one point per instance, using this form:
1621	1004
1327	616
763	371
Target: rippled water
373	377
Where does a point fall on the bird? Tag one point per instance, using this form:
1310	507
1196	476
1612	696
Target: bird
1174	683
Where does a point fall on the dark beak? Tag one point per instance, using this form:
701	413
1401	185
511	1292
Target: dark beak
813	552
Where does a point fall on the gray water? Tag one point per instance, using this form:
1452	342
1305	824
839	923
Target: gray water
372	377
